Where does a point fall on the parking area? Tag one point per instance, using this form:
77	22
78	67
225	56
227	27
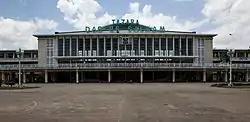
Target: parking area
152	102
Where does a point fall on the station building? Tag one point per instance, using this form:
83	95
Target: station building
124	51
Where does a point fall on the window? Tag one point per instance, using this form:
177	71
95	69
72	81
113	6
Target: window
60	47
142	46
87	44
101	46
1	55
149	47
163	43
67	47
136	46
190	47
73	47
80	44
176	46
183	47
115	46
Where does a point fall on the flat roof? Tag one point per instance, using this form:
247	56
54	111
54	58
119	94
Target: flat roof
123	33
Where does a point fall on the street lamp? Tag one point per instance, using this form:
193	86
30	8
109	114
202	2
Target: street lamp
230	54
125	41
19	53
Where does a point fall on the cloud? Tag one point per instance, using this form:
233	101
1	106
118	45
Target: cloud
82	13
184	0
226	16
18	33
229	16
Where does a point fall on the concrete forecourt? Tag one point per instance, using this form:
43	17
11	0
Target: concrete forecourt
180	102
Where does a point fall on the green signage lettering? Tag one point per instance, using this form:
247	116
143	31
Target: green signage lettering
87	29
162	28
133	27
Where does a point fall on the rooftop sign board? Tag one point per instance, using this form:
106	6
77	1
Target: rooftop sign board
125	24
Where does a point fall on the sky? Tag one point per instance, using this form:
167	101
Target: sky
20	19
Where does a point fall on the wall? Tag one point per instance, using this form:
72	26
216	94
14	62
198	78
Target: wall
42	51
208	50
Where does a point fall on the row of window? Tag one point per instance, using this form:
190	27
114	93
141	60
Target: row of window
14	55
181	47
237	54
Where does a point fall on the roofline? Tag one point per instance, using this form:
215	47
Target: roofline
102	34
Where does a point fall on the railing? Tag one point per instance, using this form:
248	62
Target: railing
234	59
124	65
16	59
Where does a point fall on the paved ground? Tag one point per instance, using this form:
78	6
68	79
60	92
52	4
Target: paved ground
125	103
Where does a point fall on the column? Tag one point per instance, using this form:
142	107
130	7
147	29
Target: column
81	77
139	45
63	46
247	76
24	77
109	76
46	76
53	77
173	47
104	46
160	45
97	46
180	46
146	46
77	47
153	46
91	43
173	75
70	47
32	77
166	51
141	76
186	46
83	50
112	51
132	43
226	78
77	76
3	76
204	75
118	48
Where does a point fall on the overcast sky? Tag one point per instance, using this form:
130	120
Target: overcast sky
20	19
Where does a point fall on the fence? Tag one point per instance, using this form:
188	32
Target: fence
125	65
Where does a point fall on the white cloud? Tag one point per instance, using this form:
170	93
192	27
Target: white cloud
184	0
82	13
229	16
145	16
18	33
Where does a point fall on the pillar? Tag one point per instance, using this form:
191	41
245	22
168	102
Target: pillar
77	76
53	77
24	77
204	76
46	76
3	76
247	76
173	75
82	77
109	76
226	77
141	76
32	77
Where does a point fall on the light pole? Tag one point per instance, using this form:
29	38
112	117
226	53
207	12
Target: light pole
230	54
19	53
125	42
